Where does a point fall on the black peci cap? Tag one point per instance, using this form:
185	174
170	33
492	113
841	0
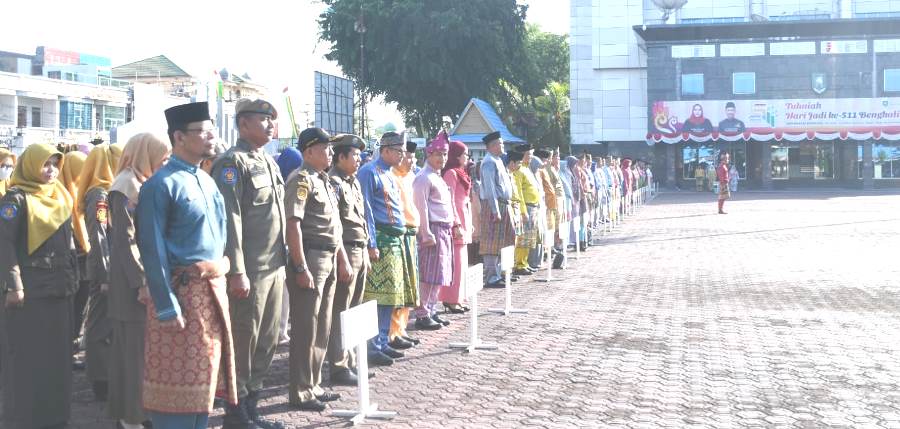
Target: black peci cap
312	136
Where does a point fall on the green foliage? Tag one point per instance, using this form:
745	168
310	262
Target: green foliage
428	56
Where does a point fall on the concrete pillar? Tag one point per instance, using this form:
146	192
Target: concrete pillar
671	180
868	167
766	161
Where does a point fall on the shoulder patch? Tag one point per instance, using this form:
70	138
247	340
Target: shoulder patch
9	211
102	211
302	190
229	175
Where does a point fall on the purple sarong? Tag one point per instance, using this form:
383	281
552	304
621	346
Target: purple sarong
436	262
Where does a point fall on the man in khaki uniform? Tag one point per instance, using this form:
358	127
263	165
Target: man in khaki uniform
348	292
251	184
315	245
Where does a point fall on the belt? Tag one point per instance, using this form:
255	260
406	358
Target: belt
326	247
532	205
356	244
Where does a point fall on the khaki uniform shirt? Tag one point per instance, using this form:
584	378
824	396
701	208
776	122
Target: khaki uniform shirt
251	184
310	198
350	205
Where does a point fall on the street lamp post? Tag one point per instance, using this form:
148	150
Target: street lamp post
360	28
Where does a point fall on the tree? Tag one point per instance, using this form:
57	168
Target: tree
534	99
428	56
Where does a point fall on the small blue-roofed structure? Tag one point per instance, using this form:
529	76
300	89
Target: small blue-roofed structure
477	120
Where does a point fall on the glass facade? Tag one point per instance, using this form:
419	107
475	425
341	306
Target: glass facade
705	155
110	117
74	115
803	161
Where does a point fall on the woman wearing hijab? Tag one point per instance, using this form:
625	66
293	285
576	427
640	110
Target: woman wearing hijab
92	203
38	254
697	123
460	187
288	161
72	164
143	155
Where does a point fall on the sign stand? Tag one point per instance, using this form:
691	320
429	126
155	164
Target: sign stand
507	255
358	325
474	284
549	239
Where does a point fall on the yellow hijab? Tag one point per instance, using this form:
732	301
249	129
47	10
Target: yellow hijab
99	171
73	163
143	155
49	204
3	155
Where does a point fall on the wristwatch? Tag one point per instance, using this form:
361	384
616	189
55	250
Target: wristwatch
299	269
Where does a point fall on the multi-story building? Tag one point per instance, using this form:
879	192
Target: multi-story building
800	92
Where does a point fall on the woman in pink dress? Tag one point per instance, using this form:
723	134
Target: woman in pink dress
460	186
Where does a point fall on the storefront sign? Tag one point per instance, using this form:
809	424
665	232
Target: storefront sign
742	49
693	51
792	48
887	45
856	118
844	46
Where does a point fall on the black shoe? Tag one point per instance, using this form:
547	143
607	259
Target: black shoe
310	405
454	308
438	319
413	340
400	344
250	403
380	359
532	269
499	284
391	353
78	365
101	389
426	324
522	272
236	416
328	397
344	377
513	279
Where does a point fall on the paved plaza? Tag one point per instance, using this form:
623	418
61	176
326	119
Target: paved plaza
783	313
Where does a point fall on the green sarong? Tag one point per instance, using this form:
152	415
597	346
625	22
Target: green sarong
386	282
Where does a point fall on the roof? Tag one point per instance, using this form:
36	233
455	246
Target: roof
838	28
159	66
479	119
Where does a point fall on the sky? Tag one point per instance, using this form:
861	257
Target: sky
276	45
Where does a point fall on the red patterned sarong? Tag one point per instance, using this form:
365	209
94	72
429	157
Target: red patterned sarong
185	371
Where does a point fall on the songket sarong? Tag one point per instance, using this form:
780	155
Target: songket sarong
436	262
724	192
410	269
532	229
386	282
497	235
185	371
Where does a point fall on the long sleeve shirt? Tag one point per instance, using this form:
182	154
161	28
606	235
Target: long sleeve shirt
181	220
461	205
528	187
405	180
433	201
496	184
381	194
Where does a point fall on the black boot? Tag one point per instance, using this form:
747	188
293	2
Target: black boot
251	403
236	416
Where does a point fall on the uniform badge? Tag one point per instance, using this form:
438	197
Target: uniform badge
229	175
302	190
102	211
9	211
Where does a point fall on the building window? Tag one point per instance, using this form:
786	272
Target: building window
697	159
35	116
886	160
692	84
75	115
743	83
112	117
891	80
54	74
22	119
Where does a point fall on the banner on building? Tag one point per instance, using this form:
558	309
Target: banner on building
763	120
